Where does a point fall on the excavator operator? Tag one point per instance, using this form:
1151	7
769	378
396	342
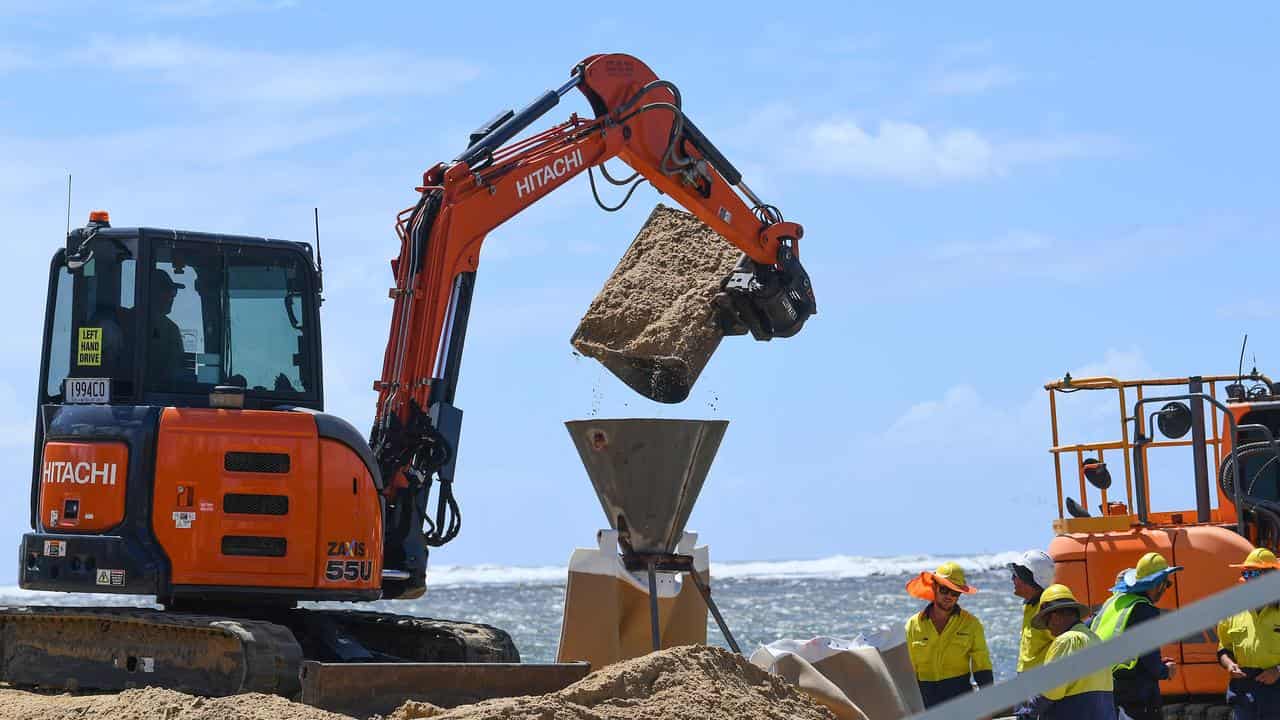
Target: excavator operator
164	346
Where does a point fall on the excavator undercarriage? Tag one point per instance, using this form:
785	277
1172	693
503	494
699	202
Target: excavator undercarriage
85	648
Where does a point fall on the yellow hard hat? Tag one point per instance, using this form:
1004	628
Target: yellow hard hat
1259	559
948	574
1151	571
1056	597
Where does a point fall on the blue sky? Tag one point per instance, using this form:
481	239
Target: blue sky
990	197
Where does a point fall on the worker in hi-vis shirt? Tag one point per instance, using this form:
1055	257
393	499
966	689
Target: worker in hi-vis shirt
1133	601
1086	698
1249	649
947	644
1032	573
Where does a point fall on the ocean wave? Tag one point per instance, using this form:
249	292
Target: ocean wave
463	575
836	567
839	567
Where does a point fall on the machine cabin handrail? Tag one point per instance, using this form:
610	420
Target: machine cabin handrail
1128	448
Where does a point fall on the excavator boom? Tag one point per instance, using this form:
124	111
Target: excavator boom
638	120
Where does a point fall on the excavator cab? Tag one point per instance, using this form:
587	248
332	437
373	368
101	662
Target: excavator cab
181	445
185	319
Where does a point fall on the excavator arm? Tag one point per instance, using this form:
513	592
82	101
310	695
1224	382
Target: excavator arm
638	120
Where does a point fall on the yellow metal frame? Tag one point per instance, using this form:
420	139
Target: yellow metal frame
1124	444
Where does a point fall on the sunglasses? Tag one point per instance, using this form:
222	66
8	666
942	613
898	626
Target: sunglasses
944	590
1251	574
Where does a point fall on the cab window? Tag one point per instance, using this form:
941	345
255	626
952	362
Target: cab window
93	321
265	312
227	315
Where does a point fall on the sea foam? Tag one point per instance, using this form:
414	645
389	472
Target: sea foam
836	567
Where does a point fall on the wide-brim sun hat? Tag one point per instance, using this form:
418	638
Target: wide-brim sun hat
1259	559
948	574
1151	572
1054	598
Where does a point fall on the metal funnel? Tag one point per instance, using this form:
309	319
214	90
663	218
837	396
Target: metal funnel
647	473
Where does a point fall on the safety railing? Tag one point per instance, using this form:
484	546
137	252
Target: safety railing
1125	445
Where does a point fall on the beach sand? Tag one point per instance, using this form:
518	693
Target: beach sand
681	683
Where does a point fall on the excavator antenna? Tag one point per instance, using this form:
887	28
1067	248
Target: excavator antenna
319	257
68	203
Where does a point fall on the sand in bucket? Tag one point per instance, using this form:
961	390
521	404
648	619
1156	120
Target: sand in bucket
652	324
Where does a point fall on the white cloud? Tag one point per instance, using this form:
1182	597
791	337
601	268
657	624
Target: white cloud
17	420
969	441
11	59
972	81
962	419
912	153
208	8
195	145
1249	309
216	76
1017	242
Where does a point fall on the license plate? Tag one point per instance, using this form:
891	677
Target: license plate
87	391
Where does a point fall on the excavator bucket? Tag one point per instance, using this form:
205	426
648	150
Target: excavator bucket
655	324
678	290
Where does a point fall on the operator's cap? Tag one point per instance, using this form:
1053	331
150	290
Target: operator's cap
1259	559
1056	597
161	279
1151	571
948	574
1034	566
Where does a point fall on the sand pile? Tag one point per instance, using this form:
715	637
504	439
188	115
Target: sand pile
155	704
652	323
688	682
682	684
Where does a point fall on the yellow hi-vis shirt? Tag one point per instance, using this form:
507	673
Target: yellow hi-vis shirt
959	649
1253	637
1077	638
1035	643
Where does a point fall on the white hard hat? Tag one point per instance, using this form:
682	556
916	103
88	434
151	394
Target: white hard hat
1039	564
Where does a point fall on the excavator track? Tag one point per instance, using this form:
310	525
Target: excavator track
401	638
85	648
76	648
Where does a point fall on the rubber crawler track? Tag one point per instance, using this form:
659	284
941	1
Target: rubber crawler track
85	648
116	648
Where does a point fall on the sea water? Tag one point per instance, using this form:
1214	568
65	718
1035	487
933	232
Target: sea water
841	596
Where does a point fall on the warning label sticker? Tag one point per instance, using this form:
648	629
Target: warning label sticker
111	577
183	520
55	548
89	350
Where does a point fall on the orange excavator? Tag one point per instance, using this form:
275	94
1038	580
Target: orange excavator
182	449
1234	471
